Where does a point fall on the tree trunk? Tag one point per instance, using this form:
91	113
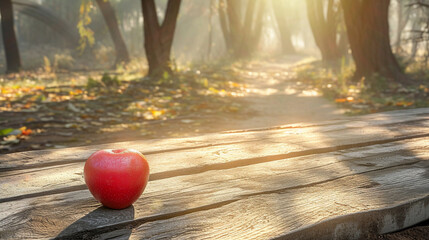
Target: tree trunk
112	24
210	38
415	34
282	24
368	34
13	60
233	10
343	42
241	35
258	24
159	38
324	28
403	17
224	25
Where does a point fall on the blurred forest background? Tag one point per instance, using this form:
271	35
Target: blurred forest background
94	71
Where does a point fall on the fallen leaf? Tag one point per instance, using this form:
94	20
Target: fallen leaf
340	100
157	113
65	134
59	146
35	146
25	131
96	123
12	139
30	119
71	125
71	107
187	121
233	109
6	131
404	104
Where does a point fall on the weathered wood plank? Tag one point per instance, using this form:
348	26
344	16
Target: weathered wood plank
332	180
32	182
287	215
78	154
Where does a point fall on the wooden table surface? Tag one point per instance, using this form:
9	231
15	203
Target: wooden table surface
344	179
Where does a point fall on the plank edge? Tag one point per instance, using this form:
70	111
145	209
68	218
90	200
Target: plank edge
365	224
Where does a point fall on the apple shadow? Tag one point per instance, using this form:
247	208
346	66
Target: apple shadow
96	224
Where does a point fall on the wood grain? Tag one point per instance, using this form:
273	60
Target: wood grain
40	158
279	144
309	213
254	201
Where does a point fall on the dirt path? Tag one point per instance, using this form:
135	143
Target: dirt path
275	98
272	98
268	95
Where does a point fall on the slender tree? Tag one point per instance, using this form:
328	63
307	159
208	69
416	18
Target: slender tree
10	43
159	38
419	32
210	40
112	24
403	17
279	7
368	34
242	32
324	27
224	24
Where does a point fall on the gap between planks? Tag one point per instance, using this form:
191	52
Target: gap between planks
26	160
142	218
224	165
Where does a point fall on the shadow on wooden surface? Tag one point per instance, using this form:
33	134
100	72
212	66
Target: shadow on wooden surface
340	180
99	217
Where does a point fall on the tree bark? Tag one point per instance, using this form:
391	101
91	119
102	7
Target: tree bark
282	24
403	16
324	28
235	26
258	26
159	38
112	24
241	35
224	25
368	34
13	60
210	38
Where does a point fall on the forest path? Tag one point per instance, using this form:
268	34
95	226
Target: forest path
275	97
264	94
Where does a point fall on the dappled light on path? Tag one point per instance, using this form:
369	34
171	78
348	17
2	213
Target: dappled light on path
202	100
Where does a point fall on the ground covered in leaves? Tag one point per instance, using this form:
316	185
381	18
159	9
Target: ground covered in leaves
365	96
44	109
57	110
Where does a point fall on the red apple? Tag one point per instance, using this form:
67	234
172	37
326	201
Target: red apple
116	178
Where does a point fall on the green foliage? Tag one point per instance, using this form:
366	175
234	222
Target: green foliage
204	82
106	82
377	83
109	81
91	84
330	82
165	79
365	95
346	73
418	70
86	34
403	61
6	131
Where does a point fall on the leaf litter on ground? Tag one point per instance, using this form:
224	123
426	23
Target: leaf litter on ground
69	113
